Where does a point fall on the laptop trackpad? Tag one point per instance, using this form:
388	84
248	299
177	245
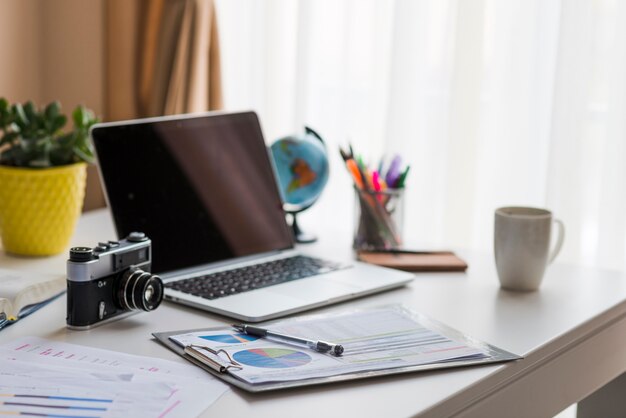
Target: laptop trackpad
314	289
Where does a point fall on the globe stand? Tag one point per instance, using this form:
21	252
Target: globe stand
300	236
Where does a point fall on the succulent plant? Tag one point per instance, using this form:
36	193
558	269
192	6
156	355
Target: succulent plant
35	138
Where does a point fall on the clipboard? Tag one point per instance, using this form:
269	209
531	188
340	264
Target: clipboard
494	355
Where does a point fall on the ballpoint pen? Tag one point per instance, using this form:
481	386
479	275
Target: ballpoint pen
321	346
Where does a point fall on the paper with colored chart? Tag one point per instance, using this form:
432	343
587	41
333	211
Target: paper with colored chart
373	339
55	379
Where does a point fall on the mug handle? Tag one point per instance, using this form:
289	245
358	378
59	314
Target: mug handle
559	240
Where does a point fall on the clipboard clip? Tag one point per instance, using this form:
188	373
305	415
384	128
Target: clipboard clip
216	363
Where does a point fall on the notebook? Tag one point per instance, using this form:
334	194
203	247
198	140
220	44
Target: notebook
203	188
408	260
23	293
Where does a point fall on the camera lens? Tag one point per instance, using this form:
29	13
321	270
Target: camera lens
140	290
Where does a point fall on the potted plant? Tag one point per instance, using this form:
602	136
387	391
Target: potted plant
42	176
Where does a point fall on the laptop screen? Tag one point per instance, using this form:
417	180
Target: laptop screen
202	188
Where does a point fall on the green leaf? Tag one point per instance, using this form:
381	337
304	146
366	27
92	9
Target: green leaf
79	116
53	110
51	117
5	113
83	118
20	116
30	110
57	123
6	120
85	156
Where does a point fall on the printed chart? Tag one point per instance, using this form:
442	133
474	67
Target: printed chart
40	378
38	404
272	358
236	338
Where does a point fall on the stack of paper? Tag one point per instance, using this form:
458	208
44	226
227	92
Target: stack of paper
55	379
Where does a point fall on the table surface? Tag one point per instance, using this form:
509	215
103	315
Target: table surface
573	306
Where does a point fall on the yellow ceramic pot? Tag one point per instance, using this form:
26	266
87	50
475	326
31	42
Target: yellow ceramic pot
39	207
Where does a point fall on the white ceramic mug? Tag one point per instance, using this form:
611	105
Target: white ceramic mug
522	246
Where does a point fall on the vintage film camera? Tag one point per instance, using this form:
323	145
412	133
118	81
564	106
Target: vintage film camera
111	281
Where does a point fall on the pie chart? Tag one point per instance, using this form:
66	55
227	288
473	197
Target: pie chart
272	358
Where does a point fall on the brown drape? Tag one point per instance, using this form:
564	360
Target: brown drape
162	58
179	68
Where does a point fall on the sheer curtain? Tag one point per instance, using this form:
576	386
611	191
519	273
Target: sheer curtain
493	103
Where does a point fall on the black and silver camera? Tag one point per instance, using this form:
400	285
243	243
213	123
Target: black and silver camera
111	281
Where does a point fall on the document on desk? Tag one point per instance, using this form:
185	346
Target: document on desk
375	339
56	379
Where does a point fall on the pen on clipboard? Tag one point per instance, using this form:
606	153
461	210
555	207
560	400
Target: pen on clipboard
321	346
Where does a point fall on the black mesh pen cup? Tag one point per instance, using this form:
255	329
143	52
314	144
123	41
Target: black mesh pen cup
378	219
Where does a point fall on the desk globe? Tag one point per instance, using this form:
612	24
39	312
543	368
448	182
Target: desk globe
302	169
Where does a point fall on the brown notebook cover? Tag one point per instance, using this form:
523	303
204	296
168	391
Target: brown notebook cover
415	261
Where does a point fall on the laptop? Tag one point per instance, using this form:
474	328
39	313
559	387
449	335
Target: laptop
203	188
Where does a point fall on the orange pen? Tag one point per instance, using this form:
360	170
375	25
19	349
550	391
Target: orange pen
356	175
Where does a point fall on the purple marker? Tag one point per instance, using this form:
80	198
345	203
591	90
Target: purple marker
393	174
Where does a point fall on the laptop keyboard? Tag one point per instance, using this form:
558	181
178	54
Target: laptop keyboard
244	279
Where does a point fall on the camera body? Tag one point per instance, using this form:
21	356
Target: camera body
111	281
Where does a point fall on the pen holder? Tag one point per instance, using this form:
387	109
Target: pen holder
378	219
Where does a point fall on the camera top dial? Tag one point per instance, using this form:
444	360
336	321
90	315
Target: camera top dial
81	253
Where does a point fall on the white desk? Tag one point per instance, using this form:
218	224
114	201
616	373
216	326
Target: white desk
572	334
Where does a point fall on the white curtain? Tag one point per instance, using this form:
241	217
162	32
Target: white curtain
492	102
